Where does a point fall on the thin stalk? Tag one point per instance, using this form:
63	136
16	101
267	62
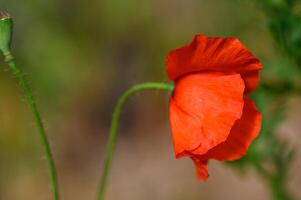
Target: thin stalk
9	59
114	127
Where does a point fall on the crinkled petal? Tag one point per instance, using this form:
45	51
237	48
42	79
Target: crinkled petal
244	131
217	54
201	168
203	109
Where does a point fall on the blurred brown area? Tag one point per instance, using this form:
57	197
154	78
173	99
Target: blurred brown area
79	57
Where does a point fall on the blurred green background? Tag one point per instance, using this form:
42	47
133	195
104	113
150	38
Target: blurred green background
79	56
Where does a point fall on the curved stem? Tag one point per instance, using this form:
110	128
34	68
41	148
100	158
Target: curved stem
38	121
114	126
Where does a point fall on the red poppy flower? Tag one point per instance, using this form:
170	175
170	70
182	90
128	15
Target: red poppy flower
210	115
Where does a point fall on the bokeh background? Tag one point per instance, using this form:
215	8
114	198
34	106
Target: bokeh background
79	56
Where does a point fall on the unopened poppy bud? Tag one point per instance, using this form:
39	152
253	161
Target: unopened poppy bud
6	27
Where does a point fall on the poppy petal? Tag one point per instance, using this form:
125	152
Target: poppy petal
226	55
244	131
201	168
203	109
251	80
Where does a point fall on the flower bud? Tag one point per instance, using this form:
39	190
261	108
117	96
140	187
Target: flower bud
6	27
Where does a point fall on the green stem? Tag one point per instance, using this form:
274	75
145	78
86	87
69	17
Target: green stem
9	59
114	126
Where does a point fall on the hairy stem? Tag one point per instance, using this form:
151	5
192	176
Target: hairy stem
9	59
114	127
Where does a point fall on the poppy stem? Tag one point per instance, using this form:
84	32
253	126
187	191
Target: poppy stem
9	59
111	145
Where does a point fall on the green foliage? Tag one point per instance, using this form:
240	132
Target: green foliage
270	156
285	26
